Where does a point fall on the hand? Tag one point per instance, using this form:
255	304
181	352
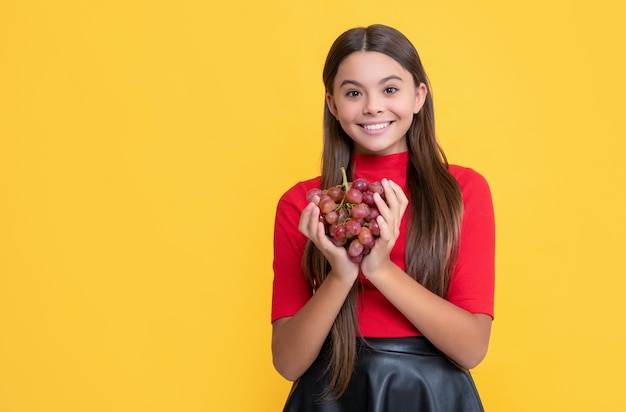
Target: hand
389	222
311	227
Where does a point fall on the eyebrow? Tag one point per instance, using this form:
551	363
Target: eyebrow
384	80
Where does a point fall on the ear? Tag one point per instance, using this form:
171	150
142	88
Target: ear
421	91
330	102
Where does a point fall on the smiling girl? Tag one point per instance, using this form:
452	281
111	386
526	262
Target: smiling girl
400	330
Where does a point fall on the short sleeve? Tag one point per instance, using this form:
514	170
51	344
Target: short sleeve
473	281
290	289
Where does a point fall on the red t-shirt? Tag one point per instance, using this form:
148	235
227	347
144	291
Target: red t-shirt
472	283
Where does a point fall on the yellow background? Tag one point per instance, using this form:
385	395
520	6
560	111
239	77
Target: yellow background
144	144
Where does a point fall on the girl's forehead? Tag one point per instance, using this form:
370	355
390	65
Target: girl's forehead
369	66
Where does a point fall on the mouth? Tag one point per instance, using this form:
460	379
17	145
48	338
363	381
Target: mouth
376	126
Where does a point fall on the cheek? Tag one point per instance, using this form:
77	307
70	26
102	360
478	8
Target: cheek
346	111
408	107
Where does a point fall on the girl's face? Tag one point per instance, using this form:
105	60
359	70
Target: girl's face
374	100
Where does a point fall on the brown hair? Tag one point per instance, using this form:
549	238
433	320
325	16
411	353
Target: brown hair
436	205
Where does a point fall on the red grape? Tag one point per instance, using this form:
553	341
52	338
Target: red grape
355	248
340	232
360	184
366	237
332	217
354	196
326	204
356	259
376	187
368	198
343	215
336	194
360	211
374	228
312	193
373	214
353	227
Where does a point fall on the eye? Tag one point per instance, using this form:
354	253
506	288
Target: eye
353	93
390	90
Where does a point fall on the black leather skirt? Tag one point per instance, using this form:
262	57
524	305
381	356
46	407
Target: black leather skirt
403	375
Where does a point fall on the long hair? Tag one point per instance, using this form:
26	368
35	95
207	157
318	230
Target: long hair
434	217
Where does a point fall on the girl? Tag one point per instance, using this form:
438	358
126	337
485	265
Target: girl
399	330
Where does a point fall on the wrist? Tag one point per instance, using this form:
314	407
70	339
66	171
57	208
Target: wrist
343	278
380	271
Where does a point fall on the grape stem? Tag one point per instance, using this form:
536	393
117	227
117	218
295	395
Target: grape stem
345	185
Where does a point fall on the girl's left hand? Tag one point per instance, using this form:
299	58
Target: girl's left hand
389	222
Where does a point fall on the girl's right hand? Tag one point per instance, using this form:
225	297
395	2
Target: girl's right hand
311	227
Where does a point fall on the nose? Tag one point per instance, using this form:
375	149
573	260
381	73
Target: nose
373	105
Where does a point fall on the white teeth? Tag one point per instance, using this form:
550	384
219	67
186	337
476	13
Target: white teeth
375	126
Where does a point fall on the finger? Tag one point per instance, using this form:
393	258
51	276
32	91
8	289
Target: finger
390	217
317	231
304	218
390	193
314	221
386	233
390	208
309	219
383	207
396	200
397	189
321	239
402	199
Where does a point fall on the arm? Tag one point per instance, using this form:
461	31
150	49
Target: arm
297	340
460	334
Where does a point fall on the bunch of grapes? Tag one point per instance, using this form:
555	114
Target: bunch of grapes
349	214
